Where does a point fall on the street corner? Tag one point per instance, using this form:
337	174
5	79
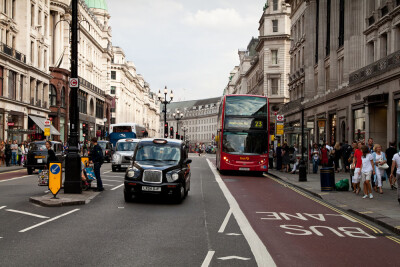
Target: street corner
62	199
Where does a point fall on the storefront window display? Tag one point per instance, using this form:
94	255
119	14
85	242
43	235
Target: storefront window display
359	124
62	129
398	122
321	131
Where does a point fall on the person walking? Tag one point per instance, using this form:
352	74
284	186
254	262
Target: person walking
14	153
2	148
278	157
19	154
337	154
371	145
380	174
390	152
324	156
8	153
271	156
357	162
51	155
96	157
396	175
316	154
285	157
367	170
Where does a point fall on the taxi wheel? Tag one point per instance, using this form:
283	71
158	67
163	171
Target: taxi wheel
30	171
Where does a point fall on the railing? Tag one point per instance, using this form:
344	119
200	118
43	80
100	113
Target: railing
12	52
383	65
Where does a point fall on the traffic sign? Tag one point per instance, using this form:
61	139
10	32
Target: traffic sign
280	118
279	129
55	178
46	131
73	82
47	123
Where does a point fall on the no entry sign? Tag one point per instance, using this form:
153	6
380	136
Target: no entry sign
73	82
280	118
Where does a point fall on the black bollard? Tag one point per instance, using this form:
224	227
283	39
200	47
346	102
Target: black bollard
302	171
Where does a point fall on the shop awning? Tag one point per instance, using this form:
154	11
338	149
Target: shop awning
40	122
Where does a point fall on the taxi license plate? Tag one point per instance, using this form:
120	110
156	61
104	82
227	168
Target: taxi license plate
124	166
39	157
244	169
39	160
151	189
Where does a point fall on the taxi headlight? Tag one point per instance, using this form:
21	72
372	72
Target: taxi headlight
132	172
116	157
172	176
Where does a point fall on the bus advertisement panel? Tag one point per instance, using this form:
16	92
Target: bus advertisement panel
243	133
126	130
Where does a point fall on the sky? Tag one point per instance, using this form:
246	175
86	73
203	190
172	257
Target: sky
190	46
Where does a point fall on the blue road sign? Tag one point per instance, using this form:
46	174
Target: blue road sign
55	169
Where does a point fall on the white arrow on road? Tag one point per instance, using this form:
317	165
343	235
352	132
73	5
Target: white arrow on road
233	234
234	258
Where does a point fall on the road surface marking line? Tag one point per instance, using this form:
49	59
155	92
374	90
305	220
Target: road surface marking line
106	172
12	171
234	258
208	259
113	176
47	221
110	180
260	252
235	234
2	207
393	239
27	213
366	212
117	187
225	222
16	178
374	229
47	191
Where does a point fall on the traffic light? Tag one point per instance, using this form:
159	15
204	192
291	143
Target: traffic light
166	130
85	129
171	131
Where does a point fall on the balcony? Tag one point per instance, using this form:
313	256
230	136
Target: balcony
12	52
381	66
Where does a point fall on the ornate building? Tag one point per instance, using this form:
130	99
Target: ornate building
348	77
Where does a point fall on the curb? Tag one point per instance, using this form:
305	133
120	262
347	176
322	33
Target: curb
10	170
369	218
48	203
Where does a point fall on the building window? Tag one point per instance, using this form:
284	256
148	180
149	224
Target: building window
32	15
340	71
13	9
113	90
275	5
63	96
275	25
397	121
274	86
341	23
359	124
1	80
316	83
327	78
21	88
113	75
45	24
112	110
274	54
99	109
32	52
53	95
316	32
328	28
384	11
383	44
5	6
370	52
82	102
11	85
112	120
39	22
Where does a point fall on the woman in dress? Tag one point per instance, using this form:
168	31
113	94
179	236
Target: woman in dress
380	174
366	171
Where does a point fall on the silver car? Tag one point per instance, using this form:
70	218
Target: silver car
123	154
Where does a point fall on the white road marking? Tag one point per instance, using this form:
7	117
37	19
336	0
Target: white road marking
113	176
16	178
110	180
117	187
47	191
208	259
233	258
106	172
47	221
2	207
28	213
232	234
260	252
121	207
225	222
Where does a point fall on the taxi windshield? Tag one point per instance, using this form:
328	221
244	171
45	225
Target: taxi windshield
168	153
38	146
126	146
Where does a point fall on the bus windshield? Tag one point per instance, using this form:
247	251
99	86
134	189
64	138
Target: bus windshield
246	106
242	143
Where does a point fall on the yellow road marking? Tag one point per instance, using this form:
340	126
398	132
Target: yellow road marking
12	171
366	212
374	229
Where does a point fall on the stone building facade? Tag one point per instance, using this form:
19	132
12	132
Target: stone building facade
348	78
133	100
199	120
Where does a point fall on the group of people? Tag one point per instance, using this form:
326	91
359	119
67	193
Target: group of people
13	153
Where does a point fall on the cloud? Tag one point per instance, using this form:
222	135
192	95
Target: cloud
217	18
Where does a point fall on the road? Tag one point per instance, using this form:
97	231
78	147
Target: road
230	220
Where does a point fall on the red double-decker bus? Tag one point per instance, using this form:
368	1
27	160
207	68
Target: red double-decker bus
243	133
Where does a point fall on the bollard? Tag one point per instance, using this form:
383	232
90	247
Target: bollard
302	171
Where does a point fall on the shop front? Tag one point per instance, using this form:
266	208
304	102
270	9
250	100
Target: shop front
321	131
359	124
397	105
15	122
37	125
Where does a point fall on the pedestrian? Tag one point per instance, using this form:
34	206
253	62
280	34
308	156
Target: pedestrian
357	162
396	175
8	152
271	156
347	150
2	148
51	156
337	155
14	153
367	170
379	161
371	145
285	157
96	157
279	157
316	154
19	154
324	156
390	152
351	167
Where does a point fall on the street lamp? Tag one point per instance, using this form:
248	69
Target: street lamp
165	103
178	116
184	129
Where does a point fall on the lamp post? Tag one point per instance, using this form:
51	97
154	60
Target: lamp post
165	103
184	129
178	116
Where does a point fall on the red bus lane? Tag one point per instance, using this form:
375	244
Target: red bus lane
300	230
12	174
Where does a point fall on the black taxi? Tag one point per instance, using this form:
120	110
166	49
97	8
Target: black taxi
37	155
159	167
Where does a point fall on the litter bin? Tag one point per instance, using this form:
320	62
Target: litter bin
327	179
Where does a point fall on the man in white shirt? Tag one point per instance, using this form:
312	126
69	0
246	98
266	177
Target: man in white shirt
396	163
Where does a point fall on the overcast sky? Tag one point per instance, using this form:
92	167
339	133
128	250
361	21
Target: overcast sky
189	45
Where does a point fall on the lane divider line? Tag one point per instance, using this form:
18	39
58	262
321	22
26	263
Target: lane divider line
2	207
16	178
110	180
208	258
225	222
116	187
260	252
47	221
28	213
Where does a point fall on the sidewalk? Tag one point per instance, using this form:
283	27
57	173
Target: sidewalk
383	209
11	168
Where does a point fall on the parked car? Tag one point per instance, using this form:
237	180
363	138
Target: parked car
37	155
160	167
107	149
123	152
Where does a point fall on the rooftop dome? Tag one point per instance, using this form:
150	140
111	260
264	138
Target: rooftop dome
100	4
